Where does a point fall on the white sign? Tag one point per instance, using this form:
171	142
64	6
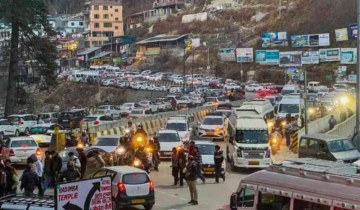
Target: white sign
329	55
310	57
244	55
84	194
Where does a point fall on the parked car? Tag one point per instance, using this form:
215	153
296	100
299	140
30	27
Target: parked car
7	129
164	104
253	88
137	113
168	139
128	107
23	122
108	82
232	86
109	110
50	117
18	149
149	106
43	133
97	119
72	118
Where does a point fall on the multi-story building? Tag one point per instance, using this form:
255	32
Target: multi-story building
103	19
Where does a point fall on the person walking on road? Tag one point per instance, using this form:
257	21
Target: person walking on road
39	172
218	159
332	122
2	180
191	176
56	165
47	171
83	162
198	160
70	174
182	166
12	181
191	149
175	165
29	179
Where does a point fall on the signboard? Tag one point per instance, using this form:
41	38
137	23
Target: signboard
341	34
311	40
227	54
353	31
352	78
196	42
341	71
244	55
152	52
80	57
267	57
288	59
329	55
310	57
84	194
274	39
348	55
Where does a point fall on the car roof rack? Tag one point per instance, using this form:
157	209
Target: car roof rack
45	202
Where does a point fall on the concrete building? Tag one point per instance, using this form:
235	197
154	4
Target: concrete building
102	19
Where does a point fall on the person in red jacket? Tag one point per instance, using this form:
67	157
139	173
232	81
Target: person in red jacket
191	150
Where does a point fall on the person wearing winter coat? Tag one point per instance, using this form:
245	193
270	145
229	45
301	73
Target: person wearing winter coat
38	166
70	174
182	165
29	180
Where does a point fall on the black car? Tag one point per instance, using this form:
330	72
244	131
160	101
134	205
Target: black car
72	119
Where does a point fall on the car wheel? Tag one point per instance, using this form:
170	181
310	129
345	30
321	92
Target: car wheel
2	136
27	131
17	133
148	207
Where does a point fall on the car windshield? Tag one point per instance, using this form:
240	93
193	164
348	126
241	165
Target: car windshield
168	137
212	121
289	108
67	114
39	130
89	119
23	143
176	126
286	92
106	142
135	178
137	112
252	137
210	99
127	105
206	149
102	107
340	146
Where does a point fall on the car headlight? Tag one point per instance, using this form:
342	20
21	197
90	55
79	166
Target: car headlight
275	141
120	150
270	124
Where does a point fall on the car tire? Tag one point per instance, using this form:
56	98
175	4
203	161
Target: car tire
27	131
148	207
2	135
17	133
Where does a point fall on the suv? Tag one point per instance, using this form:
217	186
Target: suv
51	117
164	104
214	127
73	117
23	122
110	110
131	186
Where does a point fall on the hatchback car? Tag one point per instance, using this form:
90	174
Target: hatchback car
50	117
97	119
137	113
23	122
18	149
128	107
130	186
207	149
164	104
7	129
109	110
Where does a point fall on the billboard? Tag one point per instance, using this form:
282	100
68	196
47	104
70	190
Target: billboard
84	194
227	54
329	55
310	57
353	31
352	78
244	55
341	34
288	59
267	57
348	55
311	40
274	39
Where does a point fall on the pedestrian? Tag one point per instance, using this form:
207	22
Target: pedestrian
56	165
173	104
191	176
2	180
47	171
12	181
198	160
322	110
175	165
29	179
38	166
76	160
218	159
191	148
288	131
182	166
99	159
70	174
83	162
332	122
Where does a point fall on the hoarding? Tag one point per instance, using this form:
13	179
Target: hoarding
267	57
274	39
84	194
341	34
227	54
329	55
244	55
288	59
352	78
310	57
348	55
353	31
311	40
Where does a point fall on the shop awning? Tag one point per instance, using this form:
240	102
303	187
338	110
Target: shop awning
100	55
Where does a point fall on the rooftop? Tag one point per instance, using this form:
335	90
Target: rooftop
162	38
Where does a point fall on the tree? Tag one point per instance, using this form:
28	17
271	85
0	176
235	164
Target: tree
27	18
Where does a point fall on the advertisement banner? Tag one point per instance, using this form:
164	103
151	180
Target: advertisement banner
227	54
244	55
353	31
348	55
274	39
288	59
311	40
352	78
310	57
341	34
329	55
267	57
84	194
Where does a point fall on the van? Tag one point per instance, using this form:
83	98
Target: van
299	184
293	105
287	89
262	106
328	147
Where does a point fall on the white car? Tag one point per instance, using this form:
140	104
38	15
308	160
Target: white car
18	149
178	80
214	127
97	119
43	133
7	129
232	86
181	126
197	99
168	139
207	149
164	104
109	143
23	122
108	82
137	113
184	100
109	110
139	85
149	106
128	107
175	90
253	87
122	83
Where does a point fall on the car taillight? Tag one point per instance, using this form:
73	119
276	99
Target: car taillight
28	134
38	151
11	152
121	187
48	134
151	185
96	122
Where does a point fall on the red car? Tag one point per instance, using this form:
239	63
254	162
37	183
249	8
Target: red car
215	85
263	93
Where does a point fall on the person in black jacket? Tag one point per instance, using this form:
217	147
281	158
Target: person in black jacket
70	174
191	176
56	165
219	159
29	180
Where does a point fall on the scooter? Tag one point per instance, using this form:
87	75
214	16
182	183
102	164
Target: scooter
275	141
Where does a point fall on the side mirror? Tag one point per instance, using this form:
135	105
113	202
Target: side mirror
233	201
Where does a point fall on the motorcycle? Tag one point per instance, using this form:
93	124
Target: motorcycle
153	161
275	142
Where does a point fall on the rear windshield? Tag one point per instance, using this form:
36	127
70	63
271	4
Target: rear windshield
13	119
169	137
102	107
67	114
41	130
89	119
135	178
106	142
23	143
137	112
128	105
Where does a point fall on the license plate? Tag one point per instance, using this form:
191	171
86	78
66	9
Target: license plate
23	160
254	162
209	169
65	120
209	133
167	153
135	201
38	140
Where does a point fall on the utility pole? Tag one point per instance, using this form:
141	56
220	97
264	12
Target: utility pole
357	128
305	99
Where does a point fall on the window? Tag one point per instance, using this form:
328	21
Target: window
96	16
116	18
95	42
107	25
304	143
106	16
96	7
273	202
116	10
100	173
96	25
313	144
246	198
72	23
81	23
116	27
135	178
300	205
105	7
111	173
